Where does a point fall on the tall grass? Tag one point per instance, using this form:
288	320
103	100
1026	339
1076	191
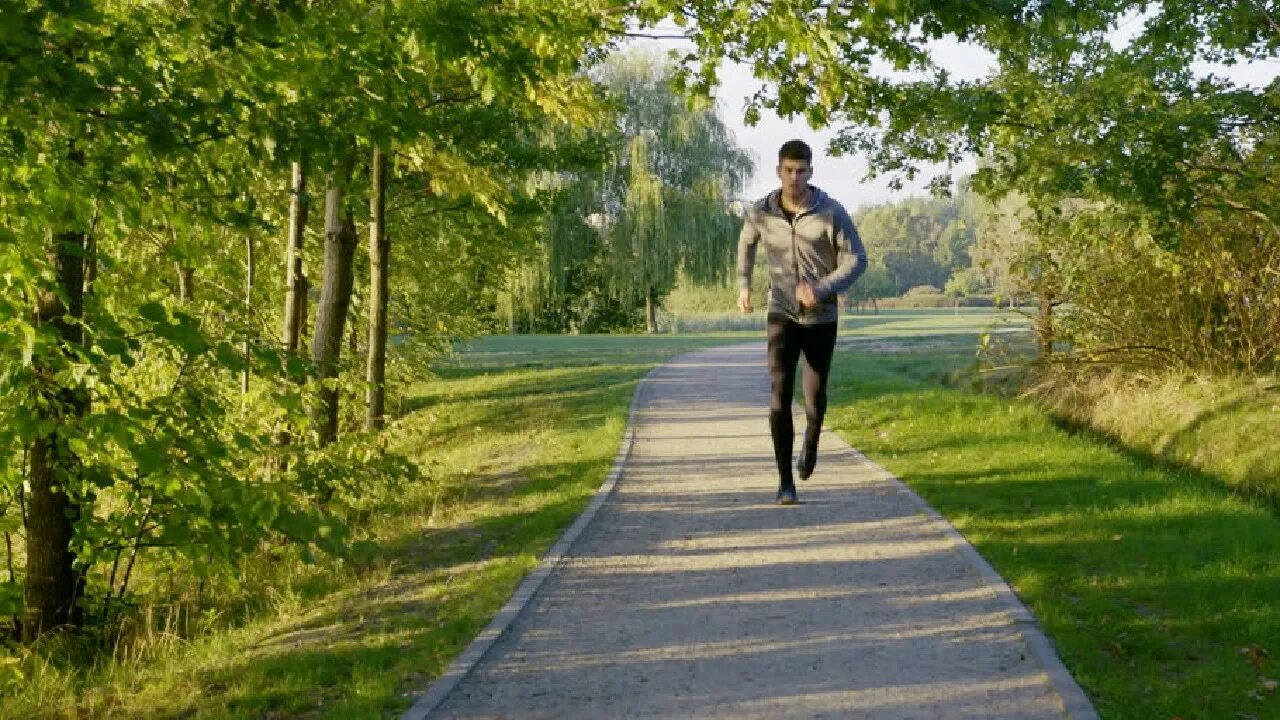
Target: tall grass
1224	426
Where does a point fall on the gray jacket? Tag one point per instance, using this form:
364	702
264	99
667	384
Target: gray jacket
820	246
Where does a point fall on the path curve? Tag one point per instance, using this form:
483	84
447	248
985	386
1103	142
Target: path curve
684	592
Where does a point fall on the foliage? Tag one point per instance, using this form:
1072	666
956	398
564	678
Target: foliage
1211	305
622	235
918	241
963	283
148	148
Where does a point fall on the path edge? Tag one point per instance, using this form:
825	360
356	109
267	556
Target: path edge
1075	702
470	656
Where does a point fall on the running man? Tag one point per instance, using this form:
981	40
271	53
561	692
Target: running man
813	252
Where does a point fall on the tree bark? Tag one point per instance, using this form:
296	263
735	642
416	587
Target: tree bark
52	584
650	311
186	282
303	309
1044	325
295	280
379	267
331	314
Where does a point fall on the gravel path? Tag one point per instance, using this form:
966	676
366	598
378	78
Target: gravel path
691	595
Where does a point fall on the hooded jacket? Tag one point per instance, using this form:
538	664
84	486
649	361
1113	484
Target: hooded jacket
819	246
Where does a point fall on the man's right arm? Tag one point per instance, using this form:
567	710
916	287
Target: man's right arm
748	240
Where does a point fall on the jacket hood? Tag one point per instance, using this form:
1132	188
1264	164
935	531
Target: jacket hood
773	201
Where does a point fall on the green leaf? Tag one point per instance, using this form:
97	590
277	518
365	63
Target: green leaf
148	458
230	357
153	312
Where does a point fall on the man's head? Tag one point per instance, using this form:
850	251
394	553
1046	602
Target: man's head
795	168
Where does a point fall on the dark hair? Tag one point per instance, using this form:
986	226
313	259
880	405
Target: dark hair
795	150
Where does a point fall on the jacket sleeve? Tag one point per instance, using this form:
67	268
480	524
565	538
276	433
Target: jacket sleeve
851	257
748	239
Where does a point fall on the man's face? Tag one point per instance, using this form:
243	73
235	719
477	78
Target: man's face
794	175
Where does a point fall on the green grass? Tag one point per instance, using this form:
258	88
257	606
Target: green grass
1160	588
502	352
887	322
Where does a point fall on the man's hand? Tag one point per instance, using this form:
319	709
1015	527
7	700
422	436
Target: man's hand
744	301
806	295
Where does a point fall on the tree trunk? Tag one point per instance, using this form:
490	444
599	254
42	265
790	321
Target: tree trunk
249	270
379	266
331	315
1044	326
295	280
52	585
303	309
650	311
186	282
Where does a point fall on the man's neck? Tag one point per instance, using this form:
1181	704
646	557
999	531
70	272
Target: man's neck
793	205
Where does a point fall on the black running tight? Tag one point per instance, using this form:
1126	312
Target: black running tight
788	341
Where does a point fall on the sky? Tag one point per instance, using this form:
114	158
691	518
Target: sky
841	177
844	178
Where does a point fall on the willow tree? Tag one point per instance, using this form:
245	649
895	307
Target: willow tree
621	236
672	189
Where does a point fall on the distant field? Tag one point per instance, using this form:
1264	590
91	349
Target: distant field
888	321
509	351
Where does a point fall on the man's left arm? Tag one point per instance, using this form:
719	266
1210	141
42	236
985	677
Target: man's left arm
851	257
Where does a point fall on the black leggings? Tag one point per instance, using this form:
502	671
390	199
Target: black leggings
788	340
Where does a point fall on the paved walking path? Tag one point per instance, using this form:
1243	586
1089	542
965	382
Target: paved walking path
691	595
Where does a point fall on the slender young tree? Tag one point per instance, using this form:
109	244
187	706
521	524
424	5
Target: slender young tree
379	269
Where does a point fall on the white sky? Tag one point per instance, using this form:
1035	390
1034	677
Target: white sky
841	177
844	177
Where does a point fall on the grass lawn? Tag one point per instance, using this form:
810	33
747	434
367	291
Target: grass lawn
1160	588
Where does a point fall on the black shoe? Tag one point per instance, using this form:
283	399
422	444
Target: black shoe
805	464
787	495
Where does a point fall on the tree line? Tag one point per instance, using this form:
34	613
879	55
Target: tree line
229	229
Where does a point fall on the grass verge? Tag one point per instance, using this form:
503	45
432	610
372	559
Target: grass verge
513	447
1224	426
1158	587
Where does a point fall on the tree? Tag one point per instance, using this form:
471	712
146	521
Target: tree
875	283
157	136
660	206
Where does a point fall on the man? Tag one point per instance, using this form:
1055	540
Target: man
813	252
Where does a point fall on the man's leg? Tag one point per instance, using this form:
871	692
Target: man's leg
783	352
818	346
